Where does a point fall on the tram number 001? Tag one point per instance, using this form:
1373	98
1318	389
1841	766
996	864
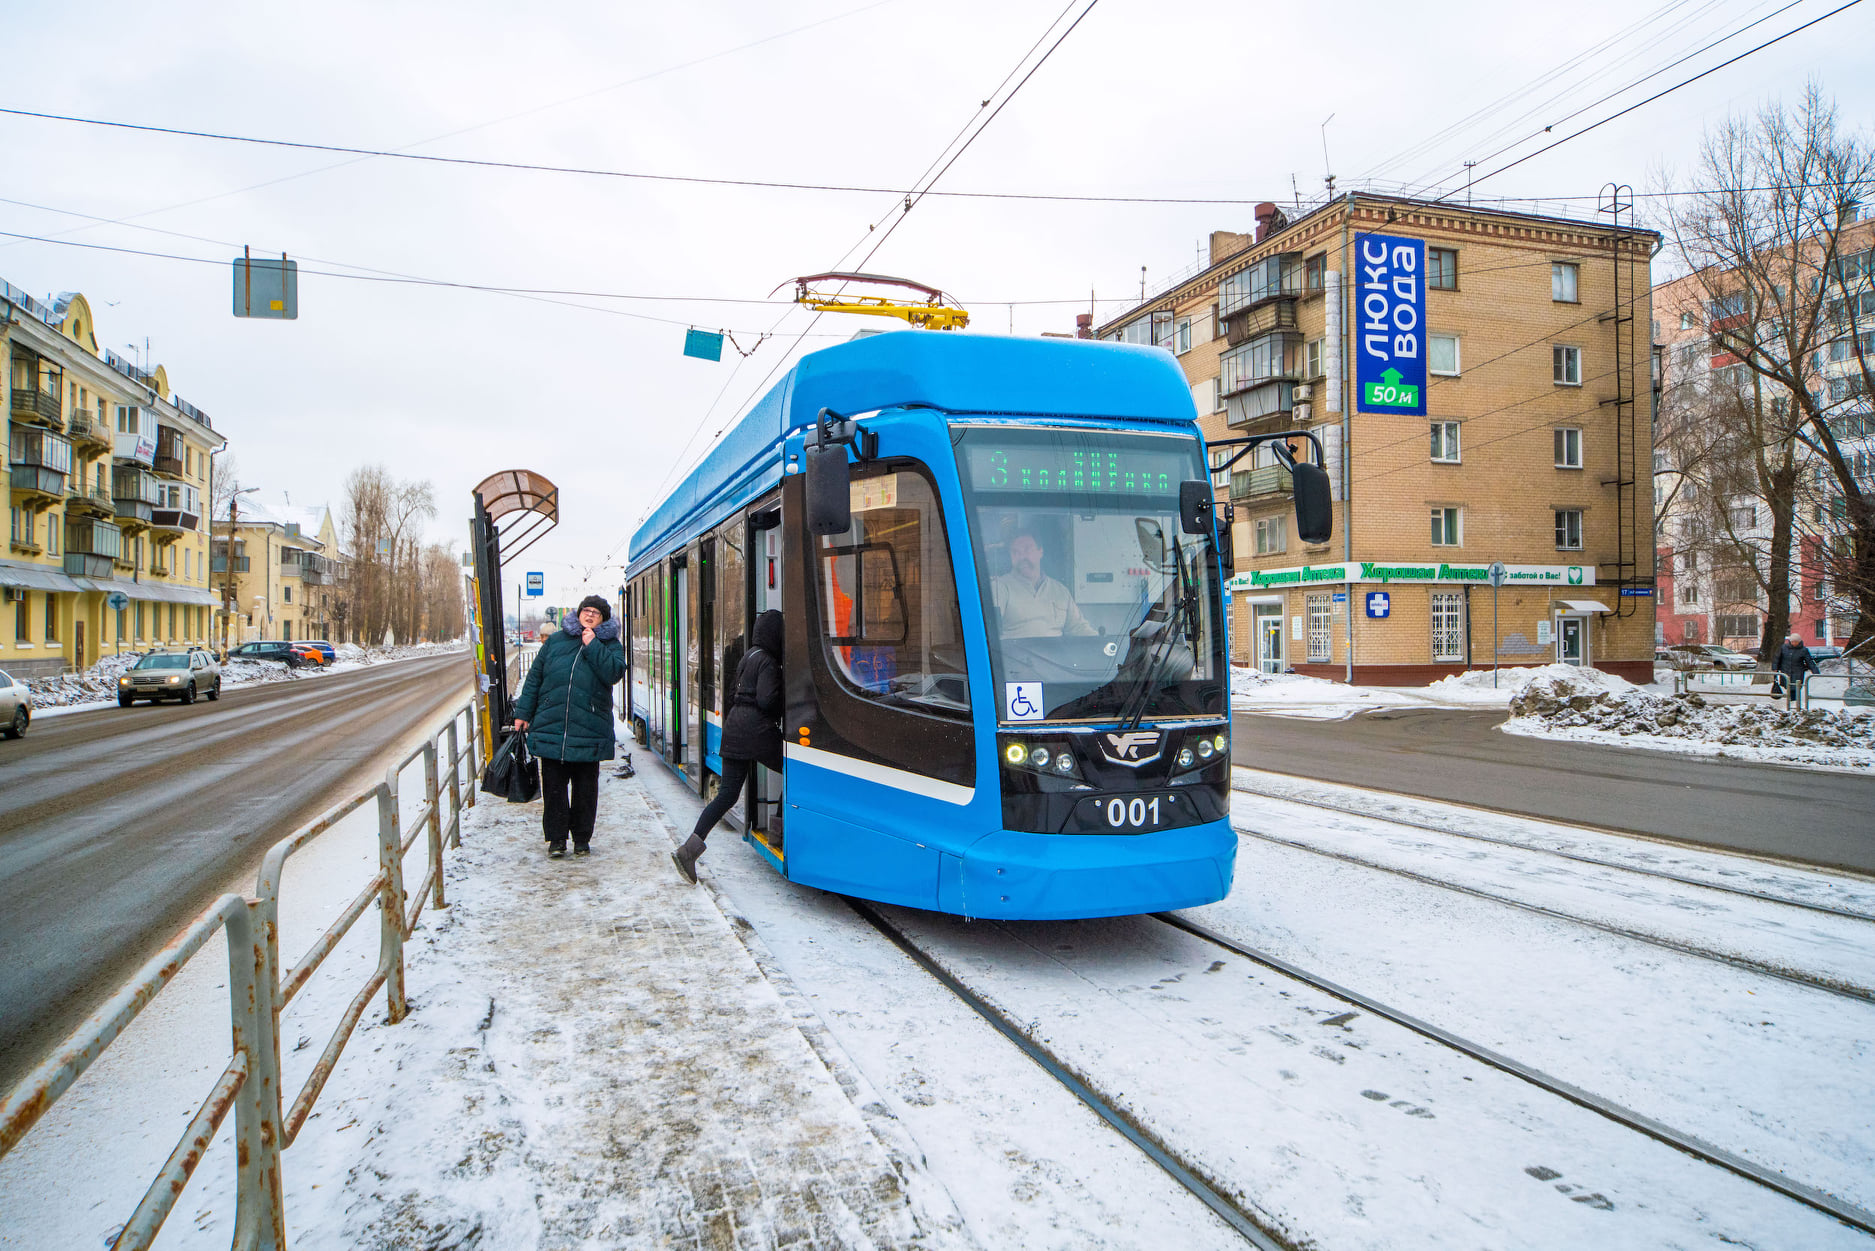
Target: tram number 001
1134	814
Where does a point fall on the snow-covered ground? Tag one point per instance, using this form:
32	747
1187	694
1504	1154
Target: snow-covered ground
602	1056
97	684
1293	695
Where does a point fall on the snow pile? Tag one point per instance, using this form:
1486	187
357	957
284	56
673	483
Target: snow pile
89	686
1573	706
1475	686
1293	695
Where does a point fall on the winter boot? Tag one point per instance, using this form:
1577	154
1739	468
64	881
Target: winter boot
556	850
685	858
582	849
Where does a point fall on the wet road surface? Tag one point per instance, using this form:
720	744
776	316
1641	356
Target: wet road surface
1805	815
118	826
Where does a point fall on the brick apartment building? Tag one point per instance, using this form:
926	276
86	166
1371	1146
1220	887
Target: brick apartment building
1530	335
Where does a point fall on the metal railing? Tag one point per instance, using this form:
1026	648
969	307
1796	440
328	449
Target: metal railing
1718	680
259	990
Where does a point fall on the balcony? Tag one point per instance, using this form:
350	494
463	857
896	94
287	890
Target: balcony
83	565
40	485
34	407
86	431
168	458
176	520
1261	402
81	500
1249	484
136	493
1277	277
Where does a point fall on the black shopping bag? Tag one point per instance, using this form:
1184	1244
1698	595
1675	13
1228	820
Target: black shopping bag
499	771
524	780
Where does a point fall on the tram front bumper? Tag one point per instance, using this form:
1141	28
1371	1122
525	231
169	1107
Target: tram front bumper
1054	877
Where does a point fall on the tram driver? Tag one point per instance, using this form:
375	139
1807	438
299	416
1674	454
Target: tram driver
1029	603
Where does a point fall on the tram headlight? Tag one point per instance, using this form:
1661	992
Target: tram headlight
1039	758
1185	758
1223	742
1064	763
1205	749
1016	754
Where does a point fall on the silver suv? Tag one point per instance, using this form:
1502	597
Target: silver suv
16	706
166	675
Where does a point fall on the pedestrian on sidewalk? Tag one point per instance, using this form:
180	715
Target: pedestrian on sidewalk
565	707
1793	661
751	732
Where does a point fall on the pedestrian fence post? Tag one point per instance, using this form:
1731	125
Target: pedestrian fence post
391	897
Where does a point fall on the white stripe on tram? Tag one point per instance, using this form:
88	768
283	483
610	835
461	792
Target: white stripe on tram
884	775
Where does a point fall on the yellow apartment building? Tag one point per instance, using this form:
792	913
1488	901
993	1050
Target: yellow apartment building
285	564
1479	382
108	481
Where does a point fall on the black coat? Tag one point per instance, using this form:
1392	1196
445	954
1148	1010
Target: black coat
1794	662
752	727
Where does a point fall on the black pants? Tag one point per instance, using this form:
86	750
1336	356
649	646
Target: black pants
558	818
729	792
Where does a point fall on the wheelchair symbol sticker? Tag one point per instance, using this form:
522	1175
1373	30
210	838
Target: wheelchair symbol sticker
1023	700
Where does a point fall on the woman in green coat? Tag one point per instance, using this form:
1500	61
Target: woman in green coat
565	707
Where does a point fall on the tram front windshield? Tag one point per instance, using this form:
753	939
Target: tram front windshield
1098	606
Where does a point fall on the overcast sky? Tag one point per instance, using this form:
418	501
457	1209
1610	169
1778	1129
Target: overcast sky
1217	99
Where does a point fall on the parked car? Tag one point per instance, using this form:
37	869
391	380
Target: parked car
16	706
1824	654
292	655
1710	656
181	675
319	648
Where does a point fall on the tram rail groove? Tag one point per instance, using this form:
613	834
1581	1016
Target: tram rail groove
1848	1213
1845	990
1204	1190
1852	914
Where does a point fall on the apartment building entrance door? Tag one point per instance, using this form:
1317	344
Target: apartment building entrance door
1572	640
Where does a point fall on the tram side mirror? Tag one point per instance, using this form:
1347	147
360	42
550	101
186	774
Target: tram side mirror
829	490
1194	506
1314	506
1151	541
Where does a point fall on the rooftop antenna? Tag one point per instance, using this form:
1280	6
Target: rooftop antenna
1468	169
1142	284
1328	170
1295	190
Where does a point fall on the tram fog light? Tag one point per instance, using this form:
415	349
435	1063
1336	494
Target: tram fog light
1015	753
1040	757
1222	741
1064	763
1205	749
1185	758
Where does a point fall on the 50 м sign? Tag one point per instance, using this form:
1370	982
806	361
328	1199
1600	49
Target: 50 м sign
1390	321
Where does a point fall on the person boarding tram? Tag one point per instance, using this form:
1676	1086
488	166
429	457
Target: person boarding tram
751	732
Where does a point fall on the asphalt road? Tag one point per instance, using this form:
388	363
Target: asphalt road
119	826
1804	815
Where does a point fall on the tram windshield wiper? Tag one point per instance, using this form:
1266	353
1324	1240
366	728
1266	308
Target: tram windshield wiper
1181	611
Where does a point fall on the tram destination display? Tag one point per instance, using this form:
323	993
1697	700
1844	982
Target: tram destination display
1128	470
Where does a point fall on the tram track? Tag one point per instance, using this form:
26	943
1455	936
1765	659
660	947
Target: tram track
1186	1174
1238	783
1848	1213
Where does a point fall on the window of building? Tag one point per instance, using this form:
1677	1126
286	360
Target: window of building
1220	476
172	622
1744	516
1319	617
1445	442
1314	271
139	607
1738	626
126	419
1181	336
1569	529
1568	440
1562	282
1312	358
22	632
1688	320
286	594
1442	268
1566	365
1442	353
1660	462
1448	625
1447	527
120	622
1272	535
52	534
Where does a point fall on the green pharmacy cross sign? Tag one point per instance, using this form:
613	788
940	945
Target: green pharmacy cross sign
1390	392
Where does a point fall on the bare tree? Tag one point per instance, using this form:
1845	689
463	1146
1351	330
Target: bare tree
1765	235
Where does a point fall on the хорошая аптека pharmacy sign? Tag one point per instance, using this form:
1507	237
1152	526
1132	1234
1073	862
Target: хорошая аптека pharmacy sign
1376	571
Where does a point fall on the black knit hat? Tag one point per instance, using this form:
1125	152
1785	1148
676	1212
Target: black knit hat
595	601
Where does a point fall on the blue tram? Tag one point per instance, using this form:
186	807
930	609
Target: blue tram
1007	675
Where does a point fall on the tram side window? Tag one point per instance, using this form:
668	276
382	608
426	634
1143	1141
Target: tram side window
641	638
730	597
888	602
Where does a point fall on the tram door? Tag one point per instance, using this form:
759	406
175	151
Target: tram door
657	623
765	543
674	670
698	587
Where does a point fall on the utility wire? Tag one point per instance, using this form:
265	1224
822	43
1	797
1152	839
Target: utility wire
1657	95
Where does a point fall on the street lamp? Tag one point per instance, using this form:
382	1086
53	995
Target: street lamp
227	572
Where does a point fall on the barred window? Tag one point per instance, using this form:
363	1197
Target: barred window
1448	625
1318	619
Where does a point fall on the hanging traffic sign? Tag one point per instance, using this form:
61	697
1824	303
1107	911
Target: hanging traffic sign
705	345
265	287
536	584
